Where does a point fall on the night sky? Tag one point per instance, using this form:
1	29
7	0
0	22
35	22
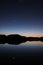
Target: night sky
24	17
21	17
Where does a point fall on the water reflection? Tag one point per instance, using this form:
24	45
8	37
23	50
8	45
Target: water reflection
28	51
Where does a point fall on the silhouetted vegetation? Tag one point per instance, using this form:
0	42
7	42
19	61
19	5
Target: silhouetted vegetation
35	39
17	39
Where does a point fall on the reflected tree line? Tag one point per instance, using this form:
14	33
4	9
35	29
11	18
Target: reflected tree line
17	39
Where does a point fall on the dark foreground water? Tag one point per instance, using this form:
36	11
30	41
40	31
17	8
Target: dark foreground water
23	53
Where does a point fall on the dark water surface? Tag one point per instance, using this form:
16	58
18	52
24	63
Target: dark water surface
25	52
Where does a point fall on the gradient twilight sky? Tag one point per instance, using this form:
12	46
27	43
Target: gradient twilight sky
21	17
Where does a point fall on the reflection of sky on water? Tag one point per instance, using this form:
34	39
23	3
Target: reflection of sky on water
22	48
22	52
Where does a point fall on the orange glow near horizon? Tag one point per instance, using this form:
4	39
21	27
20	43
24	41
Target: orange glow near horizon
34	43
24	34
27	35
33	35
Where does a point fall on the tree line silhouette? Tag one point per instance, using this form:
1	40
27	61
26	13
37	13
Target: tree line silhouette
17	39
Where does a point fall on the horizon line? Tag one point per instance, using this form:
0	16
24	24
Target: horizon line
22	35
